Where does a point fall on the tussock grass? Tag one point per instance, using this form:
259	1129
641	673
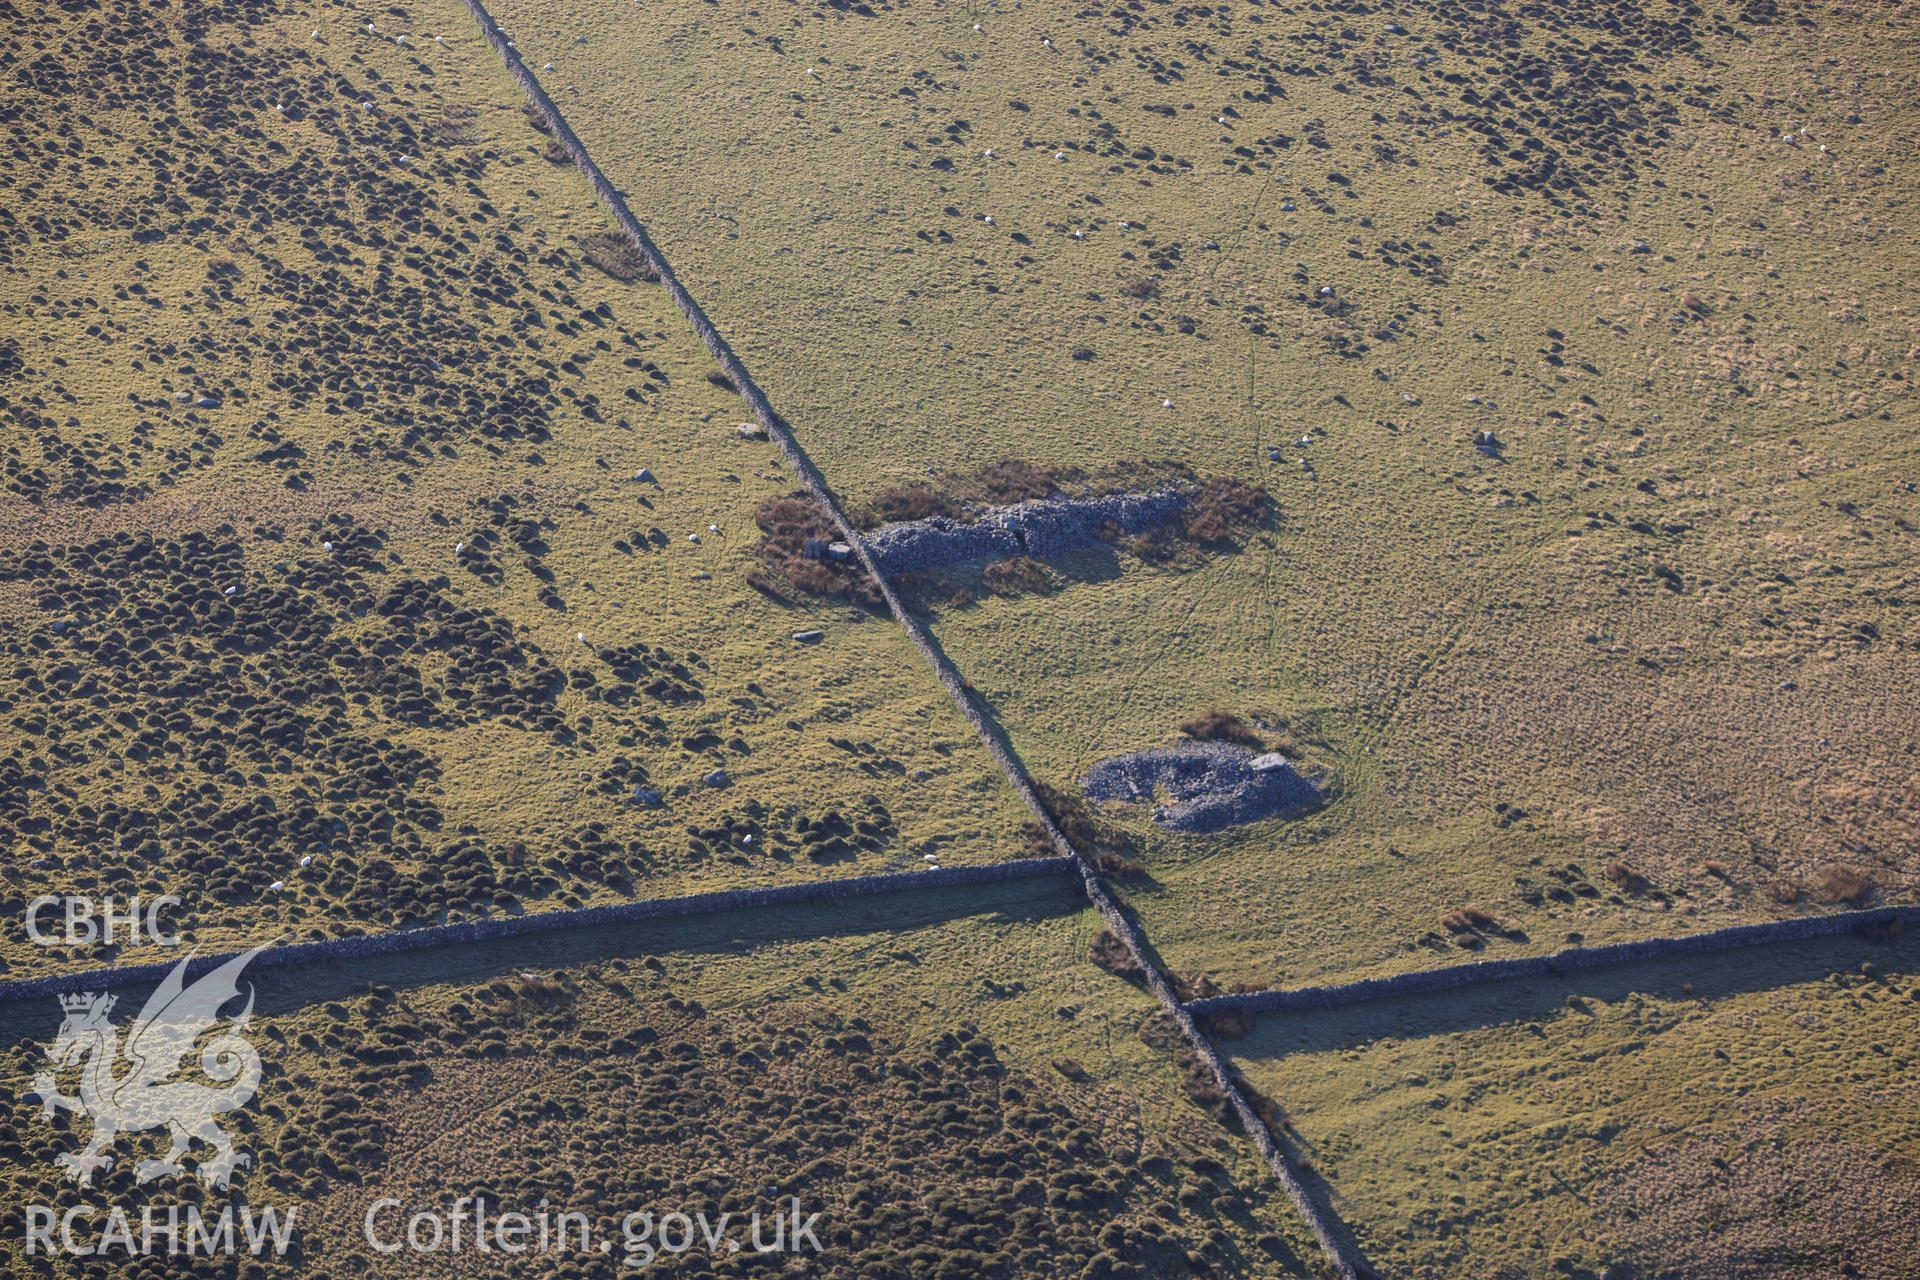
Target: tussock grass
1222	726
613	253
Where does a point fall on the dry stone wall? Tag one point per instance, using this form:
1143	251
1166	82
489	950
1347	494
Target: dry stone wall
1337	1253
449	935
1560	962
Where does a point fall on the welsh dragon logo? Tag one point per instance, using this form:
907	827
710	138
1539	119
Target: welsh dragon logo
144	1096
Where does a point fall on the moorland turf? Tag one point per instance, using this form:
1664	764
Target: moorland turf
957	1096
326	566
1658	251
379	547
1733	1115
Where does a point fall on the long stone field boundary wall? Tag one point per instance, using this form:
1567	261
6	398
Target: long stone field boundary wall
1318	1221
1568	960
495	927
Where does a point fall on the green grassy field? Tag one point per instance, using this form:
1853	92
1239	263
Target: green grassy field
1733	1115
397	603
1659	251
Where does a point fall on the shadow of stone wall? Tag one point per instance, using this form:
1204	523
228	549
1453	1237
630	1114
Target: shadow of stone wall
1560	962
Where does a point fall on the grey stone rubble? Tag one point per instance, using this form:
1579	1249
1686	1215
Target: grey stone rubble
1043	529
1207	785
